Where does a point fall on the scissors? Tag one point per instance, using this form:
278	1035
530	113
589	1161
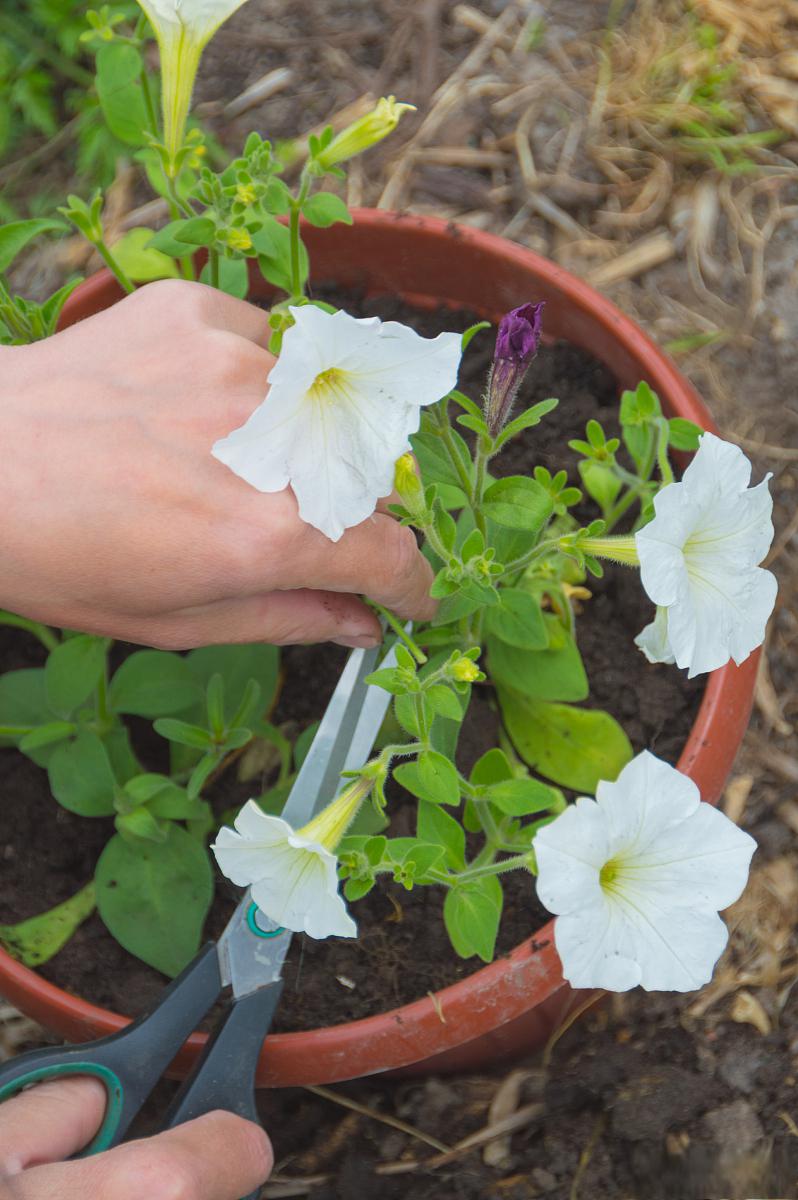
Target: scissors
248	957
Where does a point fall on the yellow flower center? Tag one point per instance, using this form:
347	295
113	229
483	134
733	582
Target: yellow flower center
332	386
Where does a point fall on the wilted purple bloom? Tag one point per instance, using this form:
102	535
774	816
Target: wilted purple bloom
517	344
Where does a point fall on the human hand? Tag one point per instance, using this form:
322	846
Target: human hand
216	1157
118	521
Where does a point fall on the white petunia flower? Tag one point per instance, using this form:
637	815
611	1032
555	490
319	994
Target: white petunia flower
637	877
699	561
183	29
293	874
344	397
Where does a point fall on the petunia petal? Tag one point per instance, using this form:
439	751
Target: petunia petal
653	640
594	950
570	852
344	398
648	798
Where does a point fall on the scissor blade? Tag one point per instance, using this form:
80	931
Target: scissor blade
252	948
343	740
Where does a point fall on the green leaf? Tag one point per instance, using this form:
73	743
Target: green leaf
518	503
472	912
166	240
520	797
153	683
15	236
23	699
140	261
140	823
183	733
73	671
640	406
526	420
154	897
436	826
325	209
434	462
237	665
233	276
197	231
683	434
600	483
46	735
517	620
493	767
444	701
119	67
81	778
38	939
575	747
431	777
273	244
556	673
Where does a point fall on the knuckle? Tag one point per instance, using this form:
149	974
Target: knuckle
401	558
160	1175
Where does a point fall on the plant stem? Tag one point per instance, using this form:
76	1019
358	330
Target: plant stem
496	868
635	483
440	413
663	462
146	91
114	267
297	290
520	564
45	635
104	716
480	462
213	262
399	630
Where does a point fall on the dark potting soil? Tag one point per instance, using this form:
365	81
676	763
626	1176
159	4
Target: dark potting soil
402	950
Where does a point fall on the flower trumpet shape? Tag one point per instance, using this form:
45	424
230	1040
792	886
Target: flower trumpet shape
364	133
699	561
183	29
637	877
344	397
293	873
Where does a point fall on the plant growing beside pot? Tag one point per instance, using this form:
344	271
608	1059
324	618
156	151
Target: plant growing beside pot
508	557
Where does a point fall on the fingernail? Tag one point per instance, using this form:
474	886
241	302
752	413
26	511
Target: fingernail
359	641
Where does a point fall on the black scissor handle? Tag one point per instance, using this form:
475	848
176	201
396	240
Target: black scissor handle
224	1076
131	1062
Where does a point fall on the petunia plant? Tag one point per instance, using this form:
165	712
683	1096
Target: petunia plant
647	857
358	410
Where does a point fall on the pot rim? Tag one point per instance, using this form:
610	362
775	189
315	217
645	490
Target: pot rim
510	986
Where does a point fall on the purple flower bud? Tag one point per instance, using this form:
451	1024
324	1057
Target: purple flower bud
517	344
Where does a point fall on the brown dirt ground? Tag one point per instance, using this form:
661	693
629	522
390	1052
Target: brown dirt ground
647	1096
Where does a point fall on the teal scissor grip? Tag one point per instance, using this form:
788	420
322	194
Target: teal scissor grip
255	928
113	1087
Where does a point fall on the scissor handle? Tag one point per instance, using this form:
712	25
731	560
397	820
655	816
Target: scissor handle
132	1061
224	1076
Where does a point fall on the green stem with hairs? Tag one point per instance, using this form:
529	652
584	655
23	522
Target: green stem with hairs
399	630
114	267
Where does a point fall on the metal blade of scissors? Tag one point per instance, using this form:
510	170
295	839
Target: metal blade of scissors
252	948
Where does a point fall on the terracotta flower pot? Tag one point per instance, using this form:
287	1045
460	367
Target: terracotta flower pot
514	1004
